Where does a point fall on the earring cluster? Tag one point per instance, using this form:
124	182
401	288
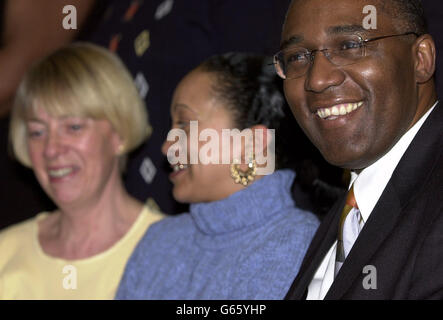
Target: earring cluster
244	177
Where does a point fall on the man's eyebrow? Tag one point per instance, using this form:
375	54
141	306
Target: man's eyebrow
345	29
291	41
296	39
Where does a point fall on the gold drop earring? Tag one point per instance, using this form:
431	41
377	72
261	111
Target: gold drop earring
244	177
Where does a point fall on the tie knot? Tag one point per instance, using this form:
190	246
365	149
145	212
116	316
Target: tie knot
350	199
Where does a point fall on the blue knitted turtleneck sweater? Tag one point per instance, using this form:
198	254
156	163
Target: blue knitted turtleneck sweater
247	246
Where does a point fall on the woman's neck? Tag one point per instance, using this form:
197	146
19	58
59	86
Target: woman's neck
82	230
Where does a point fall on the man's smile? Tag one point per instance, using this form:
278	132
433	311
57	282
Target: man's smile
331	113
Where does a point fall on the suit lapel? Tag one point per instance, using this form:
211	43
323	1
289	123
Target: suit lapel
321	243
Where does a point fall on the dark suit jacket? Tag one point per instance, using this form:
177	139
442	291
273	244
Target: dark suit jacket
403	237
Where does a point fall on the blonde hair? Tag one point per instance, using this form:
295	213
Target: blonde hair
83	80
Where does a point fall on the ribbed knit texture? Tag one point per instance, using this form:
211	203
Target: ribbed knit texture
247	246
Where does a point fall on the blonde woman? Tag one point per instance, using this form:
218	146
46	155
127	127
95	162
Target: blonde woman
77	113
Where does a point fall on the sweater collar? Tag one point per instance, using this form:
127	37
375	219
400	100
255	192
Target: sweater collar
262	199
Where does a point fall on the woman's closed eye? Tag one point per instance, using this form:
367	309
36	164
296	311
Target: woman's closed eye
181	124
75	127
34	133
35	130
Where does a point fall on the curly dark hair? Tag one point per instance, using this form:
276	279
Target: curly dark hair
253	94
249	86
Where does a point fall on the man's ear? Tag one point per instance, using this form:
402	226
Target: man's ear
425	56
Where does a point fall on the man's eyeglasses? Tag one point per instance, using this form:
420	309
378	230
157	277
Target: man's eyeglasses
294	62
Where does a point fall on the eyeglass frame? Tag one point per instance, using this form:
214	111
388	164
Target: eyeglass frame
310	53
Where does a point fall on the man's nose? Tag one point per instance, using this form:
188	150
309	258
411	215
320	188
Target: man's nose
322	73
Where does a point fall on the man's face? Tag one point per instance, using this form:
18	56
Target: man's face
382	83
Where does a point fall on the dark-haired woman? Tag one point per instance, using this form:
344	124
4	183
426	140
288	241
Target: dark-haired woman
244	238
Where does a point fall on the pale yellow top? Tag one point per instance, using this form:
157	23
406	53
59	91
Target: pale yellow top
26	272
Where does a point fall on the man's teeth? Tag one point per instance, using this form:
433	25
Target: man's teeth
339	110
60	172
179	167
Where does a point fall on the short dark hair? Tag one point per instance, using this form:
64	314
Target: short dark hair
408	13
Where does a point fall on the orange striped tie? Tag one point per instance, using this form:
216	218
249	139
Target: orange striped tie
340	253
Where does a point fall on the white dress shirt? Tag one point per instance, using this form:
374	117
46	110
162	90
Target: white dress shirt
368	187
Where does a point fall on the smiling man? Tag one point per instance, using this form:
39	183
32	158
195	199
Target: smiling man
367	100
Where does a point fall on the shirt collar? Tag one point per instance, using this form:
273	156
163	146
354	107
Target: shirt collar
371	181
